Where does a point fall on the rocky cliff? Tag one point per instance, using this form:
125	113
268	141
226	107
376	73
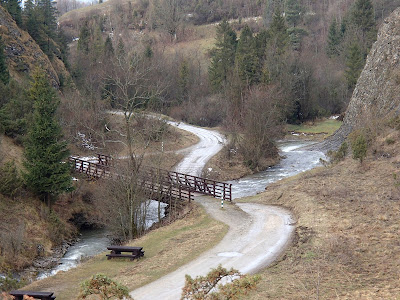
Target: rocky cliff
377	93
23	54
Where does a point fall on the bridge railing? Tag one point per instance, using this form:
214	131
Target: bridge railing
153	186
201	185
92	170
181	181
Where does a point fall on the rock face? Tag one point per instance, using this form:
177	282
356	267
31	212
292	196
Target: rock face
377	93
23	54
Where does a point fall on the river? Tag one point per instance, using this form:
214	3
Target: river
295	160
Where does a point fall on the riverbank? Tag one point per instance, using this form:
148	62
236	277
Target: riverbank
229	165
166	249
346	242
33	239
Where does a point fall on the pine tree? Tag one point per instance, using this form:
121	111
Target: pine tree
120	49
84	36
277	44
223	55
4	74
354	64
270	7
246	57
293	12
108	48
183	81
46	174
363	15
279	37
49	16
334	38
14	9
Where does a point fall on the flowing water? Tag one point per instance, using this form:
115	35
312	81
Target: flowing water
95	241
295	160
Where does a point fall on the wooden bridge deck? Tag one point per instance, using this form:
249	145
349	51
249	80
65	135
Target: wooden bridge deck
158	183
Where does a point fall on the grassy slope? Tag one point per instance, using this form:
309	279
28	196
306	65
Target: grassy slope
348	223
166	249
325	127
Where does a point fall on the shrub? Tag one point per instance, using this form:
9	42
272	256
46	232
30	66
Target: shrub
205	287
359	147
336	156
105	287
390	141
8	283
10	181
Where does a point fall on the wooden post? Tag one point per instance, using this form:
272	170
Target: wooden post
214	188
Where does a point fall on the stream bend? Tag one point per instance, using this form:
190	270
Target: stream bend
257	233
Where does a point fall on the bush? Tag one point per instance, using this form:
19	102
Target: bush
105	287
390	141
339	155
8	283
359	147
10	181
205	287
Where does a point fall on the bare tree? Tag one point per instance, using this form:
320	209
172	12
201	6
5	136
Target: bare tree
263	118
130	87
169	16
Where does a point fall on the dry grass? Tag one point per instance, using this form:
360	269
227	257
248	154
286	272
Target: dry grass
166	249
9	151
347	236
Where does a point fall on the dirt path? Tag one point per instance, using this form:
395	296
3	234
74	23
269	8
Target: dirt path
256	236
257	233
196	156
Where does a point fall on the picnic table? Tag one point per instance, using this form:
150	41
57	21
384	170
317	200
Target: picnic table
117	251
19	295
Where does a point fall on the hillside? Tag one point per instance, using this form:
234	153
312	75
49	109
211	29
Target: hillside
24	54
376	96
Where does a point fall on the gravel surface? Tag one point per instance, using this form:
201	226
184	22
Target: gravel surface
257	233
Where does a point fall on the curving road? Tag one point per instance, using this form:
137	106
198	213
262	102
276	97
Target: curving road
196	156
257	233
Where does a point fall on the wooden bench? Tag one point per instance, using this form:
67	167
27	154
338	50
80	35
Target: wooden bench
116	251
19	295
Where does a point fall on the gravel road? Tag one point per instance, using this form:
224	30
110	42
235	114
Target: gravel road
257	233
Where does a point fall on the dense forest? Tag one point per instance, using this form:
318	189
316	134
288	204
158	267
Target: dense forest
249	67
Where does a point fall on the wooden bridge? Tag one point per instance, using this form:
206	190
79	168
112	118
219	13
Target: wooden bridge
158	183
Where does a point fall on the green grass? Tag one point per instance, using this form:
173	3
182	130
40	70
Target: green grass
320	127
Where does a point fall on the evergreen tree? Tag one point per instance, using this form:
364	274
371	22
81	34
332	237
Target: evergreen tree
14	9
49	16
277	44
270	7
223	55
108	48
97	44
84	37
354	64
183	81
278	34
4	74
363	15
120	49
334	39
47	174
246	57
293	12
